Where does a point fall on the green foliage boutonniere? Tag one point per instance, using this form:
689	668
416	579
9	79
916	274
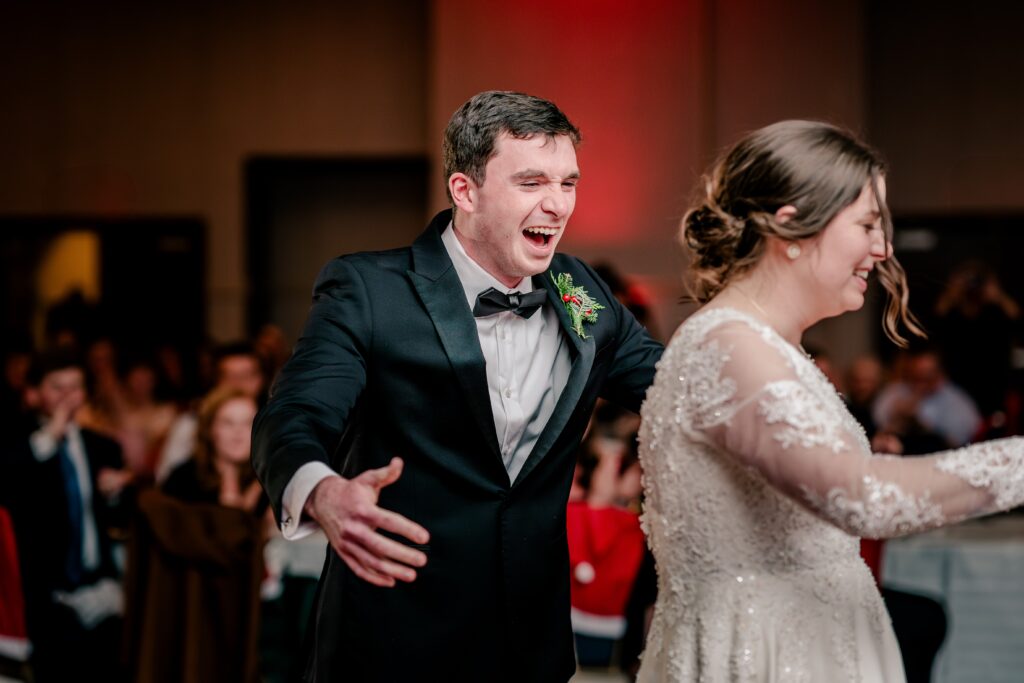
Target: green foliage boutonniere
578	304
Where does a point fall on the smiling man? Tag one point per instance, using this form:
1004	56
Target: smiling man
429	416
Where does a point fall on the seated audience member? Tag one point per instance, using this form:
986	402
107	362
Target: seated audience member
100	411
69	482
925	410
237	366
220	471
606	544
195	560
145	417
131	412
863	382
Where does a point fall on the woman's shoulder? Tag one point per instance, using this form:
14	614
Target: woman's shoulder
185	484
722	325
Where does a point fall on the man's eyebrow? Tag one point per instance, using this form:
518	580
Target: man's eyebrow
534	173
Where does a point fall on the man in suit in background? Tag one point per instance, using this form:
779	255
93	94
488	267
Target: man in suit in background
463	356
68	481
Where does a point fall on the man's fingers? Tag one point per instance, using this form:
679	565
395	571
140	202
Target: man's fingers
365	573
403	526
387	548
382	476
379	565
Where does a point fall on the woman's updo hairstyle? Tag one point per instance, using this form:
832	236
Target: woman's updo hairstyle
815	167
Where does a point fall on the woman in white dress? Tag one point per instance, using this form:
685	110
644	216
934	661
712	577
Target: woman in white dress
759	483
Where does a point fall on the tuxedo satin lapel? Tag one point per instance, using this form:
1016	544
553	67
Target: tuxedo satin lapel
582	362
440	290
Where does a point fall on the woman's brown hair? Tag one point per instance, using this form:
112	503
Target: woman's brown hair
206	467
815	167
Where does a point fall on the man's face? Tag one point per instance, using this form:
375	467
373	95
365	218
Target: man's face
62	388
516	218
242	373
924	375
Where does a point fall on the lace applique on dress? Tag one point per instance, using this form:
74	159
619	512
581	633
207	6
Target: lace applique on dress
993	465
702	383
808	420
883	509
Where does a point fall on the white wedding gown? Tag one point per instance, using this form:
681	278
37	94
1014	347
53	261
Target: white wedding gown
758	485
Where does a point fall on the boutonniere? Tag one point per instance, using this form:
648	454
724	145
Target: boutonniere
578	304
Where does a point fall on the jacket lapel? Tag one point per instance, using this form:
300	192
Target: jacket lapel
583	360
441	292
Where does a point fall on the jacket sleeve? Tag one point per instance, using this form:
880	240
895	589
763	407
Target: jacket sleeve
636	353
314	394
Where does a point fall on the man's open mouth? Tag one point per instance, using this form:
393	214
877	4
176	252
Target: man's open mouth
540	236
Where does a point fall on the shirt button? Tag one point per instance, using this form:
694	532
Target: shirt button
508	393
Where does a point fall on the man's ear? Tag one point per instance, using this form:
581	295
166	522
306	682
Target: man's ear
785	214
463	191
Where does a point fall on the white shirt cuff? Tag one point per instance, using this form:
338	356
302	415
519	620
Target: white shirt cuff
44	446
293	502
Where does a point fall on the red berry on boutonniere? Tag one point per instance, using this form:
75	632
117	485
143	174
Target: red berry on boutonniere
579	305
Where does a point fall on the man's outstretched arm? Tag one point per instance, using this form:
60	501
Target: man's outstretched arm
302	423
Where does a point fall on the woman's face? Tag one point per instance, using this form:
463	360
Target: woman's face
846	252
231	431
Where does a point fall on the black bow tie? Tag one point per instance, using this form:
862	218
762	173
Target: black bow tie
492	301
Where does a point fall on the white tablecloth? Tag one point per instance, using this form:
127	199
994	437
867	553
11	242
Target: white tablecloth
977	570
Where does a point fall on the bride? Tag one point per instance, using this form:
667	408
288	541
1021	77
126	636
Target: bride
758	481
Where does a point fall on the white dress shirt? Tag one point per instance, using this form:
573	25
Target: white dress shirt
44	447
527	365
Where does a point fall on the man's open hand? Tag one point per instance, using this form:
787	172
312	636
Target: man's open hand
347	511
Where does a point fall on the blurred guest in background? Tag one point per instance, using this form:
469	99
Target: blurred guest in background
196	557
925	410
606	544
863	382
975	328
143	417
237	366
220	471
69	482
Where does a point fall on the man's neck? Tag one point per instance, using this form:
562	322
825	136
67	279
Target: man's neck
468	247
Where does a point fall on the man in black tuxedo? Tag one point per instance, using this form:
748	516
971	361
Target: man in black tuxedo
461	355
65	485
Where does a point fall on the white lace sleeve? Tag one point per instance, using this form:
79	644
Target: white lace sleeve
774	412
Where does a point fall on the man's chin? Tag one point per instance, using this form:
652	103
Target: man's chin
538	267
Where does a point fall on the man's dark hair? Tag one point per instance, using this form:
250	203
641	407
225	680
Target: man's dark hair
473	129
53	360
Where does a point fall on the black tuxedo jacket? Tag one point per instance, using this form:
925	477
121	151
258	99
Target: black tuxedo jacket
389	364
38	507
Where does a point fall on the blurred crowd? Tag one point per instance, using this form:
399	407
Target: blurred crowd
138	545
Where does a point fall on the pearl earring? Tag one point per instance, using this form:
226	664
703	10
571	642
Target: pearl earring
793	251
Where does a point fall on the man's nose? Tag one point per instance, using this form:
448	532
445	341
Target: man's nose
555	202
